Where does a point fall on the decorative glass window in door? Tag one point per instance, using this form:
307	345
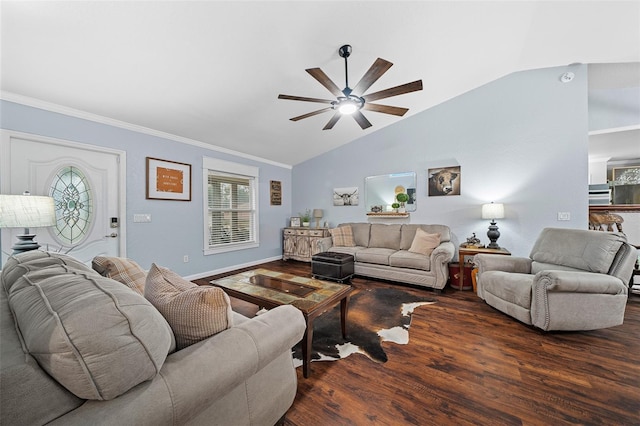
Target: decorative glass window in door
74	205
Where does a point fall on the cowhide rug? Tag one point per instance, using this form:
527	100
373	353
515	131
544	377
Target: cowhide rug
375	315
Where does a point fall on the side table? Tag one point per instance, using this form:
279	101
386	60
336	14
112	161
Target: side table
472	251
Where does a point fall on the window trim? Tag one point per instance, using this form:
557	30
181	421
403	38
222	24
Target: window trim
228	167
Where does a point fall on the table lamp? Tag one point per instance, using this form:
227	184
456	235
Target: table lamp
493	211
26	211
317	214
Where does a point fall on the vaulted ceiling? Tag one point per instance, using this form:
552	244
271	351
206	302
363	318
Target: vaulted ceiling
211	71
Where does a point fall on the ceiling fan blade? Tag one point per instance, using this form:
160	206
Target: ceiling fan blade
361	120
333	121
301	98
310	114
379	67
323	79
386	109
394	91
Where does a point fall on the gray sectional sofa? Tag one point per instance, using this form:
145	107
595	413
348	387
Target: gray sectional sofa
78	348
382	251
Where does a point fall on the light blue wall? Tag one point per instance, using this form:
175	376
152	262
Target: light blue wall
521	140
176	228
614	108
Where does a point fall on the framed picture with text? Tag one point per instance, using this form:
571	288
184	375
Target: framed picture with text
168	180
295	222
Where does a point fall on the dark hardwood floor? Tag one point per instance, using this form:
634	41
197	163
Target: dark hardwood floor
467	363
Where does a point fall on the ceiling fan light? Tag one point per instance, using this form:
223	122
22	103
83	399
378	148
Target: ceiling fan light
347	108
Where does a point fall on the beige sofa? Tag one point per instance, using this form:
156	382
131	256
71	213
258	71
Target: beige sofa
382	251
78	349
573	279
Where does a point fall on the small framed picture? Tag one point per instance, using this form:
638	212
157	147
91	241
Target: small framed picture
275	188
295	221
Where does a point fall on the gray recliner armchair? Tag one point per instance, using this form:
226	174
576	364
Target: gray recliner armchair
573	280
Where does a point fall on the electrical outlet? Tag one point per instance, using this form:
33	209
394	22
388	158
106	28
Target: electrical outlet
564	216
185	259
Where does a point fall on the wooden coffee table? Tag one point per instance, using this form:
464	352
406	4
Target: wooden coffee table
270	289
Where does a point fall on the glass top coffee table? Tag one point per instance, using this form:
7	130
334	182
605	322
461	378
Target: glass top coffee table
270	289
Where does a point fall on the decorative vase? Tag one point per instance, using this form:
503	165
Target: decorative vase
305	223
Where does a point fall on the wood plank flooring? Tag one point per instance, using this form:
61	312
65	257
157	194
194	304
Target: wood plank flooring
467	363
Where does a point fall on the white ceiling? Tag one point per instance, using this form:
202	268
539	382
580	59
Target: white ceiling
211	71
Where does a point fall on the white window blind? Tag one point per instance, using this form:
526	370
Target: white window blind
231	209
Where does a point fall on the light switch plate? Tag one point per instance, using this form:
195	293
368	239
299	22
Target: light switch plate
564	216
142	218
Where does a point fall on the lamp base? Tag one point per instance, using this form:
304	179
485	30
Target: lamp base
493	235
25	243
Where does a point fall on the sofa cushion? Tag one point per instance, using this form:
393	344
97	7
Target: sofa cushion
593	251
407	259
379	256
408	233
121	269
385	236
342	236
96	337
424	243
194	312
360	233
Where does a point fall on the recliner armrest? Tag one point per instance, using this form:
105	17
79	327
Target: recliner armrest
578	282
496	262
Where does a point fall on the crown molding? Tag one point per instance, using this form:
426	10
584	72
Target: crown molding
60	109
614	130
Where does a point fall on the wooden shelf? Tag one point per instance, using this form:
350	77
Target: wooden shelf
615	207
388	215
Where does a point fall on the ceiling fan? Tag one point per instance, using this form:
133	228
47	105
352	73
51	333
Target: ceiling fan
347	101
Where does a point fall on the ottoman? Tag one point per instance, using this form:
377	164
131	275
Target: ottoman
332	266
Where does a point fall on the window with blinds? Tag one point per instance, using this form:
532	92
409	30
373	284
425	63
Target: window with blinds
231	214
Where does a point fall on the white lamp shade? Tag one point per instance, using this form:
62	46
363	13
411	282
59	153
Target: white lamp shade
492	211
317	213
26	211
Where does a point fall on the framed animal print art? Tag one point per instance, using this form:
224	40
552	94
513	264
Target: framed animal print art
345	196
444	181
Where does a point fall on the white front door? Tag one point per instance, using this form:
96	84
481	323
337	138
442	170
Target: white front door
87	183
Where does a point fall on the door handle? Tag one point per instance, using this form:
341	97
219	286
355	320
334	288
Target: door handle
112	235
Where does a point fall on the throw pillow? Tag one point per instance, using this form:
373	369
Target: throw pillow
93	335
424	243
342	236
123	270
194	312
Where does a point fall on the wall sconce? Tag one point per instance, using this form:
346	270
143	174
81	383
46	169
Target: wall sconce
493	211
26	211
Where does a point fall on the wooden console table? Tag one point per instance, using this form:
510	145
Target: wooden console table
300	243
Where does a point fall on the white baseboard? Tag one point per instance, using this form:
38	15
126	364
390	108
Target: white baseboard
230	268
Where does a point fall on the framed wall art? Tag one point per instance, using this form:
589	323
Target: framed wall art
345	196
275	188
168	180
444	181
295	221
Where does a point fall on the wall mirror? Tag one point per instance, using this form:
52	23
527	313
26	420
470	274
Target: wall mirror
380	191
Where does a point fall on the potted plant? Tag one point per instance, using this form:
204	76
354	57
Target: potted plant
305	217
402	198
395	207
